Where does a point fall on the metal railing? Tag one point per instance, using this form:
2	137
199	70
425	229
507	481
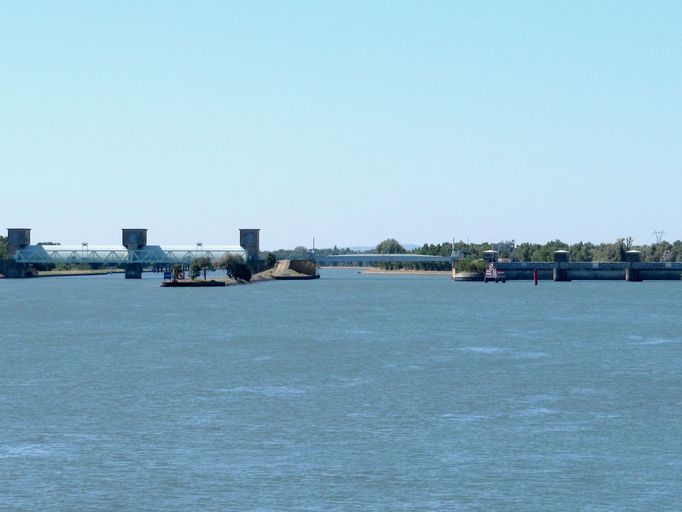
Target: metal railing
145	256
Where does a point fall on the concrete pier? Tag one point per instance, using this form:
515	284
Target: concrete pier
249	239
559	272
133	270
133	239
12	269
632	273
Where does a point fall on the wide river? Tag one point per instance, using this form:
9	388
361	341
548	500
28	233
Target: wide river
352	392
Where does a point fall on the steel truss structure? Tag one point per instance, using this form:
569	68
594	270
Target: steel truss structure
109	256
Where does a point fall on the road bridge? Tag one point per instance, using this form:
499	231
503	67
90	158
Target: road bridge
362	259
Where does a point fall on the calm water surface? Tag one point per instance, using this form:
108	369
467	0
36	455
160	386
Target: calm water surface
353	392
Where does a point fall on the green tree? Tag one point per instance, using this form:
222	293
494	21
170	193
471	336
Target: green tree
442	249
3	247
225	262
470	266
676	251
390	246
270	260
660	251
525	251
616	252
235	267
581	252
198	265
240	270
546	252
300	253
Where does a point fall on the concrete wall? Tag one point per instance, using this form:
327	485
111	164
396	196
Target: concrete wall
133	270
527	275
306	267
579	271
660	275
12	269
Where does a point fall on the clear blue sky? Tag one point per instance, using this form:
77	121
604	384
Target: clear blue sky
348	121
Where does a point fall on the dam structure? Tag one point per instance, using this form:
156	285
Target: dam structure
134	254
561	269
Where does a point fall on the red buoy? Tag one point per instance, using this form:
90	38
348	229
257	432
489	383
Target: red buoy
535	276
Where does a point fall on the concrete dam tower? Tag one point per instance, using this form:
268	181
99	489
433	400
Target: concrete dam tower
134	239
249	239
17	239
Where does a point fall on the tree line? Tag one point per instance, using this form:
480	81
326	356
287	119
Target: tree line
234	266
469	255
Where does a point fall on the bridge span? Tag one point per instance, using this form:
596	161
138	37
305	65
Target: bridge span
343	259
107	255
134	254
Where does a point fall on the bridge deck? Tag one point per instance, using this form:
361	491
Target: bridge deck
379	258
119	255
